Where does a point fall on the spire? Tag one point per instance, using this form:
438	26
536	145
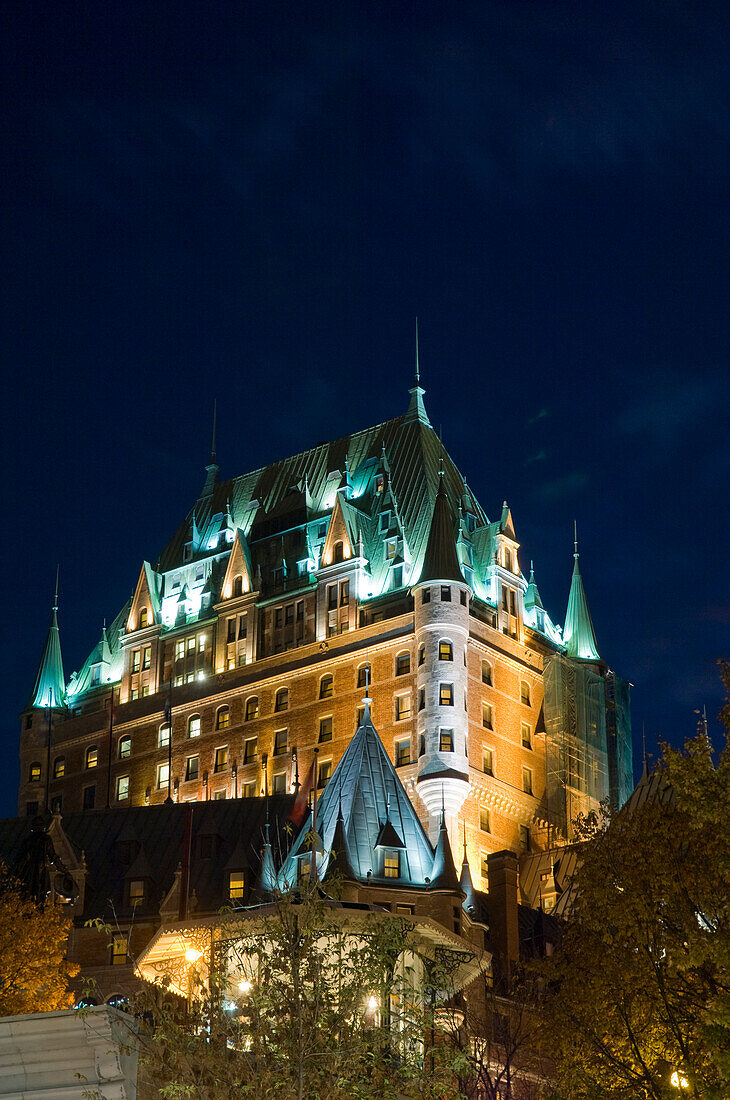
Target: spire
443	874
49	689
532	596
267	876
441	561
345	485
465	882
211	470
339	863
578	635
416	408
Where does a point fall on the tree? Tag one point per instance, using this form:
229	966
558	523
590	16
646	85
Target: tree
34	971
640	991
302	998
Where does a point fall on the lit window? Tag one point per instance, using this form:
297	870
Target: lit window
122	788
143	616
147	657
179	649
402	707
163	737
278	783
249	790
163	774
402	664
487	717
488	761
402	753
282	700
136	660
391	864
194	725
326	687
281	739
134	694
363	676
124	748
324	772
201	643
526	736
250	750
344	593
446	740
92	756
525	693
59	767
219	796
221	759
445	593
235	884
421	654
252	708
446	695
484	821
119	949
325	729
304	867
486	673
446	651
191	644
145	690
34	773
192	768
136	891
527	780
223	718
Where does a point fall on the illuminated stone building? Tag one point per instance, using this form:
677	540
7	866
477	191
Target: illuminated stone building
366	562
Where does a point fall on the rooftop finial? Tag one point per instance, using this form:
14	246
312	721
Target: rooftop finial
215	417
464	824
55	595
575	538
418	369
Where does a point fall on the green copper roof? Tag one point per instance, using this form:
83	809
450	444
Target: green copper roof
532	596
49	683
443	874
578	635
441	561
366	791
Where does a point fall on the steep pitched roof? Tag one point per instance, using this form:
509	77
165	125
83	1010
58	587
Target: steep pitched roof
443	873
441	561
49	690
578	634
366	789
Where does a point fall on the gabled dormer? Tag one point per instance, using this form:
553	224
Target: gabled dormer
238	579
145	609
339	545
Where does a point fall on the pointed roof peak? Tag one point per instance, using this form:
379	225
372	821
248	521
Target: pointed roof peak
50	687
579	636
443	873
416	408
441	561
532	595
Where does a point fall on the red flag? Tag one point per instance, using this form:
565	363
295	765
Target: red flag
299	809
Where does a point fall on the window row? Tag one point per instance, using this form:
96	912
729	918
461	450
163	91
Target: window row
445	593
488	769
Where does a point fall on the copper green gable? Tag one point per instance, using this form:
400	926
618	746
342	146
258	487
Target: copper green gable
441	561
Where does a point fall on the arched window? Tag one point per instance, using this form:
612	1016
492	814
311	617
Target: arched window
34	773
223	718
339	553
446	650
92	756
238	585
402	664
252	708
194	725
364	676
163	736
59	767
326	687
142	617
525	692
282	700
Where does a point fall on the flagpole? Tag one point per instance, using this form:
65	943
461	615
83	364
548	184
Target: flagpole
313	866
168	716
111	743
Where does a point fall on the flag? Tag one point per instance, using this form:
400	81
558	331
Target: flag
299	809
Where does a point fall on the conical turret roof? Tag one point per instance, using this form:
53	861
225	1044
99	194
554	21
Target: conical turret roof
443	873
441	561
532	596
365	791
578	635
49	689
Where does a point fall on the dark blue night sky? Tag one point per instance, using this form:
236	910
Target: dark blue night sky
253	201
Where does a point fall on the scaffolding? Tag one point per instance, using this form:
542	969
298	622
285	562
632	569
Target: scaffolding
618	736
578	751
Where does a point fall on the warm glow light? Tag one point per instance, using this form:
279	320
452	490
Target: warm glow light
678	1081
245	986
192	956
372	1003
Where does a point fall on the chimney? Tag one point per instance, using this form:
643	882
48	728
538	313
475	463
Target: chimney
503	928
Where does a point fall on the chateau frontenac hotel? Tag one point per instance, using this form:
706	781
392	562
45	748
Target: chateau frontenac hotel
364	567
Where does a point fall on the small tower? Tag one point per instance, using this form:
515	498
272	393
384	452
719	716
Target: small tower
49	689
441	610
579	636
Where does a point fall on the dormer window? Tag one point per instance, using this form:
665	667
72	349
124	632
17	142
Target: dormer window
188	551
379	483
235	885
136	891
95	676
391	863
339	552
384	521
238	585
143	615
